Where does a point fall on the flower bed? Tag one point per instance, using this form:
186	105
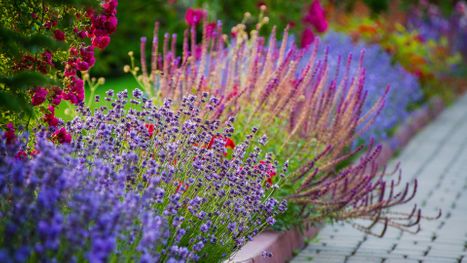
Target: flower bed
283	245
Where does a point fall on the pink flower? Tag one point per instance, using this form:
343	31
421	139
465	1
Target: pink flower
57	96
307	37
194	16
47	57
111	24
101	42
62	136
59	35
316	17
50	117
39	96
82	66
211	29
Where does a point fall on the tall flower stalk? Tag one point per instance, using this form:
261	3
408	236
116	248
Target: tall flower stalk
311	116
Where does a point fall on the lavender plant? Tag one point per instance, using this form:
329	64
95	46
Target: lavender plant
137	183
311	115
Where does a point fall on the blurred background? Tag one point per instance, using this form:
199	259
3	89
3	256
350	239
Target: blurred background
137	19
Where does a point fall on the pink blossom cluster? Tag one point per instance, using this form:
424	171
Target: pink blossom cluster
314	18
80	58
194	16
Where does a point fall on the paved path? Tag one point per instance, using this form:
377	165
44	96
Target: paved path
437	156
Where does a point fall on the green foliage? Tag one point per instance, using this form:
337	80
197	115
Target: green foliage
24	37
139	17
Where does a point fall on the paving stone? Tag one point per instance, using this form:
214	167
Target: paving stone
437	158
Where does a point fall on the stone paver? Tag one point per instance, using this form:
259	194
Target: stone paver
437	157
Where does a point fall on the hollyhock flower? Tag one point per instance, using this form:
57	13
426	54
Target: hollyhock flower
194	16
59	35
316	17
39	96
307	38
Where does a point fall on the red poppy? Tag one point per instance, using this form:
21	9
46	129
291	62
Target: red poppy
150	128
180	184
270	170
229	143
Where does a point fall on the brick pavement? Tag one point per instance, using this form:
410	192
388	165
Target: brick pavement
437	157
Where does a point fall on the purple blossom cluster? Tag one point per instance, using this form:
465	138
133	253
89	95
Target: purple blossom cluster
312	109
138	183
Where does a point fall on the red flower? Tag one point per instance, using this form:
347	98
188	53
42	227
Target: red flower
307	37
229	143
62	136
150	128
270	170
59	35
34	152
9	134
21	155
180	184
194	16
39	96
101	41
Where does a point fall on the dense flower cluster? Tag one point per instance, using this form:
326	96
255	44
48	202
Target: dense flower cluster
320	108
137	184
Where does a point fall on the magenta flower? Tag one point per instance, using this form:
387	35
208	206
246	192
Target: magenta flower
62	136
59	35
316	17
82	66
307	37
194	16
39	96
101	41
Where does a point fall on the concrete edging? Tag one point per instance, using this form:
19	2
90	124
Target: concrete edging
284	244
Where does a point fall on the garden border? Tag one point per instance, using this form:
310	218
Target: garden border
283	245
